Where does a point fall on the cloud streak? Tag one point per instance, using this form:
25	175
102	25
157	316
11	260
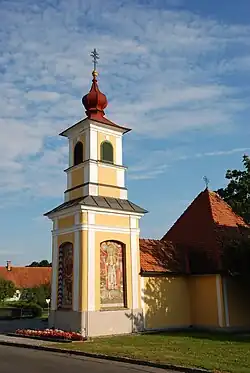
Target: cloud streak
155	167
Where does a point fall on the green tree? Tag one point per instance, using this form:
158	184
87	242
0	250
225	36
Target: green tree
7	289
37	294
237	192
43	263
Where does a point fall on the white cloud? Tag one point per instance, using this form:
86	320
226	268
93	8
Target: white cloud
159	68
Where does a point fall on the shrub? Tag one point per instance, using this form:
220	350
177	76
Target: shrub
34	308
7	289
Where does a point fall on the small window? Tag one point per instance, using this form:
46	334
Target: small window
78	153
107	152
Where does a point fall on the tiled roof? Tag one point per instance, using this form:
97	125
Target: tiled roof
203	227
198	222
103	120
222	213
160	256
101	202
27	277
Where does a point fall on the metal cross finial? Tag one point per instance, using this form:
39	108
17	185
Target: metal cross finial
95	55
206	181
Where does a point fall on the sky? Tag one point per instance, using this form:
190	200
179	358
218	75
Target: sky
175	71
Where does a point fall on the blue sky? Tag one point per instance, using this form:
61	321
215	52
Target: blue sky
175	71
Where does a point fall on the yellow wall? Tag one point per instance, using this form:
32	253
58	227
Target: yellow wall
66	222
238	303
112	220
76	193
77	176
166	301
109	192
124	238
102	137
203	300
107	175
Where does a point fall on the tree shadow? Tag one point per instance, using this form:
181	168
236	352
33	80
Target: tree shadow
164	263
10	326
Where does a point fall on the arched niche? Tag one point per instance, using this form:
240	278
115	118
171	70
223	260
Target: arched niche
65	276
78	153
107	152
112	274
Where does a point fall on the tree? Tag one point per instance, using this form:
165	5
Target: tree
237	192
43	263
38	294
7	289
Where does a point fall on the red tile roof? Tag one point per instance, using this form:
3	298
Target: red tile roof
27	277
204	226
160	256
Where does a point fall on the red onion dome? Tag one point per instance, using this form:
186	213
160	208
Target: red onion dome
95	101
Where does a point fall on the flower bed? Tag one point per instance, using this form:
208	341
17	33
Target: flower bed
51	334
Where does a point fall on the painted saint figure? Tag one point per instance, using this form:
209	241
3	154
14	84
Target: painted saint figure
111	273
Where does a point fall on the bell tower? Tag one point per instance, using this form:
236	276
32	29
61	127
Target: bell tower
95	236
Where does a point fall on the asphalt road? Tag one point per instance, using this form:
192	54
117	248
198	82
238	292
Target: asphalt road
21	360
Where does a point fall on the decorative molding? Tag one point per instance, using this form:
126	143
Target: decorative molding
71	152
88	160
75	167
91	218
134	261
54	270
87	145
219	300
93	144
93	172
118	156
133	222
76	269
93	190
94	184
95	228
91	263
69	180
72	210
120	178
102	128
123	212
124	194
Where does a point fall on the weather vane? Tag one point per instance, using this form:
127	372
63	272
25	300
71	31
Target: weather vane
95	55
206	181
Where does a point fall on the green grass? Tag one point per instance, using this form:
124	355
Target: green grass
217	352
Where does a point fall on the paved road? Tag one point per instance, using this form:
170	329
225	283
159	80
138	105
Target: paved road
21	360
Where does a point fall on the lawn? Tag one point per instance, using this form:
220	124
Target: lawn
217	352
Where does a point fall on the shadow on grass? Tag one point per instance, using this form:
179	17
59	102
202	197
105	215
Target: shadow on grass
222	336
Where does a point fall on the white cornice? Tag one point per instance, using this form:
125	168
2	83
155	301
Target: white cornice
105	211
98	162
108	210
84	124
105	128
96	228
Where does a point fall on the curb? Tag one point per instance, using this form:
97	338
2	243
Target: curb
107	357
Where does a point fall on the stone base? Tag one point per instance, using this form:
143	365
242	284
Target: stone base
70	321
98	323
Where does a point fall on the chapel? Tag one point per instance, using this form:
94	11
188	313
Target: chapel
105	278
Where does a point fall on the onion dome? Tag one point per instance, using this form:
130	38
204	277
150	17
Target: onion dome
95	101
